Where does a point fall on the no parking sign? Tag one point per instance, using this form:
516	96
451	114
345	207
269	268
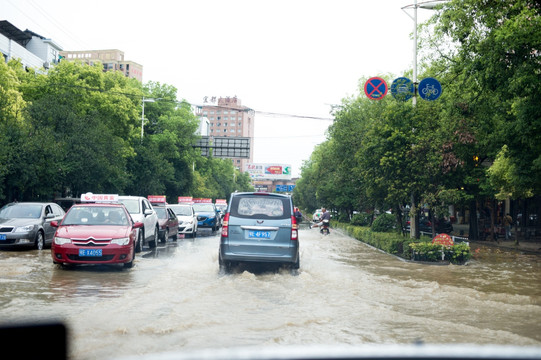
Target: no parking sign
375	88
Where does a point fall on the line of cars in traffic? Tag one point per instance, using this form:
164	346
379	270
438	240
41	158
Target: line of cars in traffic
103	228
111	229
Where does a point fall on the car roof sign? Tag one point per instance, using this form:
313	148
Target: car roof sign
157	198
90	197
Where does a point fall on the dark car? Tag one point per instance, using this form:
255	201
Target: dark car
167	223
259	228
28	224
207	216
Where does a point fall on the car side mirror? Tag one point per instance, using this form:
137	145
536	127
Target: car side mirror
148	212
54	223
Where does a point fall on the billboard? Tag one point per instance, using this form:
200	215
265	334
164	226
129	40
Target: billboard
269	171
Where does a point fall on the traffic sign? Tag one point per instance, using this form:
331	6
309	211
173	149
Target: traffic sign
429	89
402	89
375	88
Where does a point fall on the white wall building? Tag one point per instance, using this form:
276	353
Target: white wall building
31	49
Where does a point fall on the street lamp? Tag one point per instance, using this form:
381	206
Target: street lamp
143	115
423	5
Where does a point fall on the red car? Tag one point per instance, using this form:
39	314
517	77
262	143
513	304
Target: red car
95	233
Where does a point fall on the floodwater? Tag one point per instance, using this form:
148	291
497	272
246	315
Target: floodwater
175	299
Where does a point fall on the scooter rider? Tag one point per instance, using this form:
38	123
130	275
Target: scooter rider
325	217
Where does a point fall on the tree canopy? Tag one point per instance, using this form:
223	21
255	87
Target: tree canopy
78	129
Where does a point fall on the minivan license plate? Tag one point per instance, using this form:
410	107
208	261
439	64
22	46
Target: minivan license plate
259	234
90	252
3	237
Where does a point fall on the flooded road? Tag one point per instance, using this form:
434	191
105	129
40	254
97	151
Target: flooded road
346	292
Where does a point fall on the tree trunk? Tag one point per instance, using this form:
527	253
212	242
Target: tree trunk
474	228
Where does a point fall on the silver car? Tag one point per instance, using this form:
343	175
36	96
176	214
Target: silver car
28	224
259	228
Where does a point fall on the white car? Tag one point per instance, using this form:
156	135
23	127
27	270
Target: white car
317	215
187	220
141	210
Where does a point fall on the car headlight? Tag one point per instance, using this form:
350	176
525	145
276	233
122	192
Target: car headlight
61	241
190	222
121	241
26	228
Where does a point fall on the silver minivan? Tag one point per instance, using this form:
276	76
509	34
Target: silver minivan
259	228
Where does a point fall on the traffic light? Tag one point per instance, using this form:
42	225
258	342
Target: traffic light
476	160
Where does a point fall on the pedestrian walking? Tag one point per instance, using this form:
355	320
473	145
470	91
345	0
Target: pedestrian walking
507	222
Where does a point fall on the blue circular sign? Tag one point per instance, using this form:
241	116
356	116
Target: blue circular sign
375	88
429	89
402	89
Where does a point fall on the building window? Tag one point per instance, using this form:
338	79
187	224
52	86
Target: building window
218	124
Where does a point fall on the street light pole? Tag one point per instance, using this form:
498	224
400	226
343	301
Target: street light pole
425	5
143	116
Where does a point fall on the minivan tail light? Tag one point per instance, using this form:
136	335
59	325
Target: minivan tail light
294	229
225	225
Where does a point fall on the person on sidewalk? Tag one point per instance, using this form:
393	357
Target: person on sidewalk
507	222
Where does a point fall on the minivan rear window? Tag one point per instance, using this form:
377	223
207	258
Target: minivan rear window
264	207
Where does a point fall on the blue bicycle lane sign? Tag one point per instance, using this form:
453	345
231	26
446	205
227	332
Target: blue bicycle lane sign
429	89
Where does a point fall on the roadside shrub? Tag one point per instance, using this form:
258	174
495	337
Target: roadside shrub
406	247
384	223
362	219
426	251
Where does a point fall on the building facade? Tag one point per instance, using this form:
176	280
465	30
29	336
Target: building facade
31	49
112	60
229	118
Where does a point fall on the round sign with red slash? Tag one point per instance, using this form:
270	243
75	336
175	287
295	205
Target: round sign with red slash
443	239
375	88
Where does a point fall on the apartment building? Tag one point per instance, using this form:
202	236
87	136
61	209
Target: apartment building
112	60
31	49
228	118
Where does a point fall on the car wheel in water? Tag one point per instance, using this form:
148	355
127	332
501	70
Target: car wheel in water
154	242
129	265
163	238
39	243
297	264
225	266
140	241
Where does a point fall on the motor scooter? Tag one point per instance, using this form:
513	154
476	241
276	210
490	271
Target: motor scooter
324	228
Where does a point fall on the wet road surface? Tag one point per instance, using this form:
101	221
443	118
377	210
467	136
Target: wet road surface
175	299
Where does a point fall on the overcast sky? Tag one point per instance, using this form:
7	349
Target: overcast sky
280	57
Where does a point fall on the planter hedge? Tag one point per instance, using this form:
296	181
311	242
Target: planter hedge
407	248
